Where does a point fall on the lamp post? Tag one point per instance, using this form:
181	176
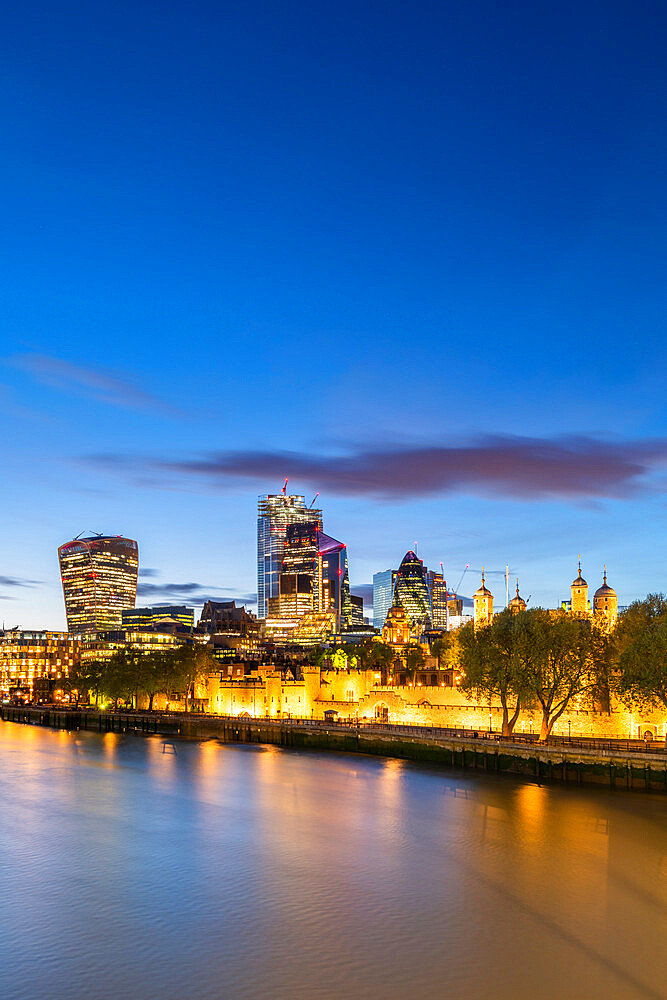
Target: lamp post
569	730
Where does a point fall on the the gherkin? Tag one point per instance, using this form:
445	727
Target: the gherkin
411	592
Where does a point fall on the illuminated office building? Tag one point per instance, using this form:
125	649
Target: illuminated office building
411	592
99	577
313	579
383	595
275	513
297	591
35	665
357	612
332	580
437	596
150	618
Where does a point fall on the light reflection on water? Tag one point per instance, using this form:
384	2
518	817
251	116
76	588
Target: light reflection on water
247	872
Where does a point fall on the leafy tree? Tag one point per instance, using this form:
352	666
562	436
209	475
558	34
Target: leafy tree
120	675
415	658
643	680
558	661
603	670
191	666
339	660
156	670
447	649
492	659
637	618
85	680
381	657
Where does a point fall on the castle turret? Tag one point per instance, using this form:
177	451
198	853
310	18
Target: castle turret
483	604
517	603
579	591
605	602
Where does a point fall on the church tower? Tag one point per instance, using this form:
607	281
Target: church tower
483	604
605	602
579	590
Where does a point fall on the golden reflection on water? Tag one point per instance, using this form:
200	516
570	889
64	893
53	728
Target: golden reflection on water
159	870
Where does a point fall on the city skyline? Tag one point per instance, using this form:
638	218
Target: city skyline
429	286
145	592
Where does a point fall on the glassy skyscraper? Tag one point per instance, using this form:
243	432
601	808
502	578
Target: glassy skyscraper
437	596
332	581
313	579
275	512
99	577
411	591
383	595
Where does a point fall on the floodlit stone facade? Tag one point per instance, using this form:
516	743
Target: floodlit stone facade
357	694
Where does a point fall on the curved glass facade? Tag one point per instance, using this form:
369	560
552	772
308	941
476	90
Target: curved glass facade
411	591
99	577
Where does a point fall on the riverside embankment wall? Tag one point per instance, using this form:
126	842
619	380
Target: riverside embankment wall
613	767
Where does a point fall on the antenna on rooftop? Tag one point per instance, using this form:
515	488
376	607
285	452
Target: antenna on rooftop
285	486
314	498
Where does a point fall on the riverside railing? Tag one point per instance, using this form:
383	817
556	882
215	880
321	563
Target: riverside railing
590	743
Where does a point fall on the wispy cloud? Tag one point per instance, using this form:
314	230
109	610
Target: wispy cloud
94	383
577	468
188	593
17	581
9	583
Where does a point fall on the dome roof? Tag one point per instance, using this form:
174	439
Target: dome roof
579	582
605	590
483	590
517	601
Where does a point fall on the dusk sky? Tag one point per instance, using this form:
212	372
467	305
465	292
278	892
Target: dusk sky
413	256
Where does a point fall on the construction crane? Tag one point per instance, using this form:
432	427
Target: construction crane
461	580
285	486
314	499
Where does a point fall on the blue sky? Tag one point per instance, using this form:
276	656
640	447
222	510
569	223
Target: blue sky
413	257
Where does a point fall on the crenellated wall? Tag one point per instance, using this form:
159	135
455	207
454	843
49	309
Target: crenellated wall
356	693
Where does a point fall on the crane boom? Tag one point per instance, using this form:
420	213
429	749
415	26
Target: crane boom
461	580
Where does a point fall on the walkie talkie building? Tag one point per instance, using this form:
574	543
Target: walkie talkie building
99	577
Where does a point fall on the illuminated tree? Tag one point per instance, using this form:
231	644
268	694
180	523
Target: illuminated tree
380	658
643	665
415	658
558	660
492	660
191	666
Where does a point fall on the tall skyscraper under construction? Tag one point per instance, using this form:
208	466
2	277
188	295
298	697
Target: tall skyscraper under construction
275	513
99	577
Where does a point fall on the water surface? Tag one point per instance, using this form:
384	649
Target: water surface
251	872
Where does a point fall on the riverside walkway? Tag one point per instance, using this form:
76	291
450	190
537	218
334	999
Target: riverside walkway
612	762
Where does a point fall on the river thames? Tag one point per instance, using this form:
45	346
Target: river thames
251	872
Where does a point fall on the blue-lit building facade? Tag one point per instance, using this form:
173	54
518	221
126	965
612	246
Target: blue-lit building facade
383	595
